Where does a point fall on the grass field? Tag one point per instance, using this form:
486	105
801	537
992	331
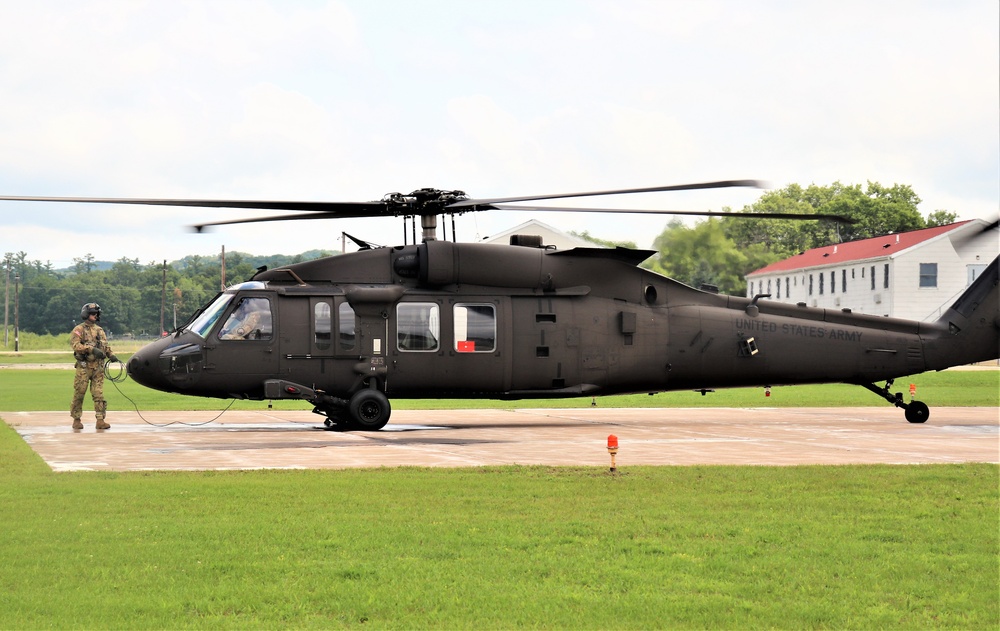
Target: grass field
38	389
900	547
513	547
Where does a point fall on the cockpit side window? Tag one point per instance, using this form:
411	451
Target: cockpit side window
250	320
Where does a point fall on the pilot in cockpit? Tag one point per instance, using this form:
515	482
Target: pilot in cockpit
250	321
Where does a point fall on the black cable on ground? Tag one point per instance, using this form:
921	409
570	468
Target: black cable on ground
121	373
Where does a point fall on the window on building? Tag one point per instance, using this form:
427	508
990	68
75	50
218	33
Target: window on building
418	326
475	328
751	290
810	284
885	277
928	274
822	276
873	277
833	282
787	293
843	281
779	289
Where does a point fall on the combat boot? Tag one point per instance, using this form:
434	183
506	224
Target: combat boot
102	425
77	424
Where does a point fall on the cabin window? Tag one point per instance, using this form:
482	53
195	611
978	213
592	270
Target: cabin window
346	322
475	328
250	320
418	326
928	274
322	325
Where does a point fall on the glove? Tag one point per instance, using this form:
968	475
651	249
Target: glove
98	353
113	357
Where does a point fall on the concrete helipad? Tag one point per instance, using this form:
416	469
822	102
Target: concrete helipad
462	438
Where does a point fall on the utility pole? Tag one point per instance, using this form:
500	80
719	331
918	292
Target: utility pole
163	296
17	294
6	301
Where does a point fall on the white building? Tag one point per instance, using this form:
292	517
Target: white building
914	275
550	236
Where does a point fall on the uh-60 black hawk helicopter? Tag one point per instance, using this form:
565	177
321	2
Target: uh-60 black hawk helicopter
443	319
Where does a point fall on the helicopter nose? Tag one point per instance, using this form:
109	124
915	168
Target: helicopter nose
142	367
169	364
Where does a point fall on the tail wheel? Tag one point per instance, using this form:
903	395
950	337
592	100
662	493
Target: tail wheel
369	410
917	412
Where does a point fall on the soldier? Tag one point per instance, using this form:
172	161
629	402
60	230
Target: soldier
90	347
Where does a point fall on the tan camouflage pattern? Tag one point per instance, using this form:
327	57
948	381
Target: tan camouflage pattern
90	370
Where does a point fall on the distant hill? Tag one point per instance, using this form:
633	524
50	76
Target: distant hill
256	260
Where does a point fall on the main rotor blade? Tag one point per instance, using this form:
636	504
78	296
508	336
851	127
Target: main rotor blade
700	213
200	227
625	191
339	209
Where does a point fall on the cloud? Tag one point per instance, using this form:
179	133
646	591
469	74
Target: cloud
350	100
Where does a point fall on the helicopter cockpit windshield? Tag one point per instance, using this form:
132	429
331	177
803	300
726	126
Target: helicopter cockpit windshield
210	314
204	322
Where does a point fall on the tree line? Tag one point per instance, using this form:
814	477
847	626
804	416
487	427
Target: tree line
723	251
134	297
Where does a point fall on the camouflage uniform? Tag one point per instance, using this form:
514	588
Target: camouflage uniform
89	370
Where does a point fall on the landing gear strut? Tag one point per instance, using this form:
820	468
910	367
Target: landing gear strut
915	411
367	410
334	409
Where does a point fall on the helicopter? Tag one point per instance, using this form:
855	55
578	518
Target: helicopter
444	319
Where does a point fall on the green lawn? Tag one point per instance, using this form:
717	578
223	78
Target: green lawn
512	547
29	389
898	547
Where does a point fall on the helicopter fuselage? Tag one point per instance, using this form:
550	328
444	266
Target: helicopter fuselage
444	319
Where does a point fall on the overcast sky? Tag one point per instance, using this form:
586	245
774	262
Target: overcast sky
350	100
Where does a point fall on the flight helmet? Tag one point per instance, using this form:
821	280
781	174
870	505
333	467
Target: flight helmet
89	308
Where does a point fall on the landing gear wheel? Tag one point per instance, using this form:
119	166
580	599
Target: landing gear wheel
369	410
917	412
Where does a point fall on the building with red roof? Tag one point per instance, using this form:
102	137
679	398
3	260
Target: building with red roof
914	275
